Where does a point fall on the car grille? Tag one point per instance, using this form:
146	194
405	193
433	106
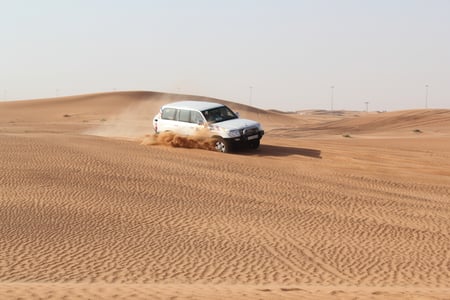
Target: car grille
250	131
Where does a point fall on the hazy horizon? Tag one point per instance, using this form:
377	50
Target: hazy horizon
287	55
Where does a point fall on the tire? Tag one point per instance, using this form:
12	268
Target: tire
254	144
222	145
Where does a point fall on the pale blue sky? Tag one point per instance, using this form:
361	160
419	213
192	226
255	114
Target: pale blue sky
290	52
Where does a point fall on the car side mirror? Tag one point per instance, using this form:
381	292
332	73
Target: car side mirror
237	114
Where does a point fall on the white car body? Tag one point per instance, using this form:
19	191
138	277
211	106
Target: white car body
189	117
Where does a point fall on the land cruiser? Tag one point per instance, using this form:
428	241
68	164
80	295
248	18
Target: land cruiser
189	117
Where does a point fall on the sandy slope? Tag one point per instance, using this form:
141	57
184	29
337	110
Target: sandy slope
311	214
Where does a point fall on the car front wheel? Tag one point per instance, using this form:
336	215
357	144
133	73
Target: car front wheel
222	145
254	144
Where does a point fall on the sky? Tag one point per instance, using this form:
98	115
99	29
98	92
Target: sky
280	54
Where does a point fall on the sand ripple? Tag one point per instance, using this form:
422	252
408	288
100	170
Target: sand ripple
76	209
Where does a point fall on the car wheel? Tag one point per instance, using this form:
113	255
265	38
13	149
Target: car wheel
254	144
222	145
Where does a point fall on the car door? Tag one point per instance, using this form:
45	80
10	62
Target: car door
189	123
197	120
168	120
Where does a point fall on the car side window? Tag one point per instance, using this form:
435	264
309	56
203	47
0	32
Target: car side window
184	115
196	117
168	113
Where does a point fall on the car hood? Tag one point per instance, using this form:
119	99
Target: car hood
237	124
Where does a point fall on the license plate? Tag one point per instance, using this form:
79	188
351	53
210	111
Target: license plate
252	137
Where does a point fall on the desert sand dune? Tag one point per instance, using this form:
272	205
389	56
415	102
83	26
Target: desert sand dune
411	119
118	114
117	106
92	217
396	123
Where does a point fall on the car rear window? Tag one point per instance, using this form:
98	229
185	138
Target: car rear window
168	113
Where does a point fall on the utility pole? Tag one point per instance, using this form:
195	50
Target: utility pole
332	96
250	97
367	106
426	96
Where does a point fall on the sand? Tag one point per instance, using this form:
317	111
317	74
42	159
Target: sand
336	205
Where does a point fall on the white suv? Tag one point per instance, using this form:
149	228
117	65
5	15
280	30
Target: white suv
189	117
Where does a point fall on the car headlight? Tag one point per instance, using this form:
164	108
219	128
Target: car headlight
234	133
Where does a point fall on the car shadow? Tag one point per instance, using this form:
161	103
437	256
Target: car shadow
274	150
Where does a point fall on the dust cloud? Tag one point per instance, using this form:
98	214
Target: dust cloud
136	121
133	122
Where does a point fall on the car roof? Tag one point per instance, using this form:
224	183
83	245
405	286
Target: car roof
191	104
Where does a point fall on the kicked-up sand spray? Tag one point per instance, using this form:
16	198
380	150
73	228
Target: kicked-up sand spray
198	141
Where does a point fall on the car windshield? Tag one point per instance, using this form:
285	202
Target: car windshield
219	114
